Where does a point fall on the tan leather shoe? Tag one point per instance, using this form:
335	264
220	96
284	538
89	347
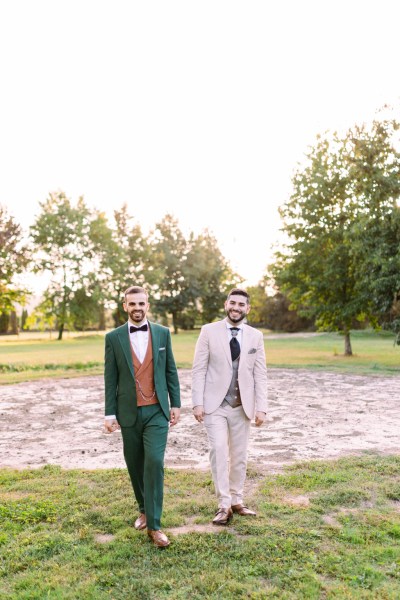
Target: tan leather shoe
158	538
222	516
243	511
140	522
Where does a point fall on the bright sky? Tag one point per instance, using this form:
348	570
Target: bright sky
200	109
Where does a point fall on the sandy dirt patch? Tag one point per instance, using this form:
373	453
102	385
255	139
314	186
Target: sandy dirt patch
313	415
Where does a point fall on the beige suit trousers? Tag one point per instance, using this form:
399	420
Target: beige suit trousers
228	431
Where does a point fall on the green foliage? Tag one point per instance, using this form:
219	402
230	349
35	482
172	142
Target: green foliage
121	250
274	312
67	239
376	234
14	258
189	278
208	277
168	249
28	511
342	196
72	366
92	263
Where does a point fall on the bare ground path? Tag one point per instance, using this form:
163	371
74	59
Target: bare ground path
312	415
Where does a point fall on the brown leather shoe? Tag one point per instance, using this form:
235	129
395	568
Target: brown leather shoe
158	538
243	511
140	522
222	516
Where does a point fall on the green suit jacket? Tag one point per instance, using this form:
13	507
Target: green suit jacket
119	375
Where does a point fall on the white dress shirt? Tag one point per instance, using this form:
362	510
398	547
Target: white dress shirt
239	333
139	341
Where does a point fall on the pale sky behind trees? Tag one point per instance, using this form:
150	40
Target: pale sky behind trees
199	109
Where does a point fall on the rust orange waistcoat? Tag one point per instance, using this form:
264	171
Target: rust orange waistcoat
144	377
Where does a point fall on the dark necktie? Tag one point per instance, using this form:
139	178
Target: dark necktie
133	329
234	344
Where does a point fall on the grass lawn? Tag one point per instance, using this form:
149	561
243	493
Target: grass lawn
28	357
323	530
373	353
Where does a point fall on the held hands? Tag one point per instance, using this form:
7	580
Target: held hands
111	425
174	416
260	418
198	412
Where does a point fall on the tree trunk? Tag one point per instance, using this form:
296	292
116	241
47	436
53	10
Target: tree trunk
174	323
102	318
13	322
60	331
347	344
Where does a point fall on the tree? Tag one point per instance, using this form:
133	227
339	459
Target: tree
376	233
62	237
280	317
331	195
44	315
14	259
208	276
24	317
120	251
273	312
165	270
4	322
189	277
258	303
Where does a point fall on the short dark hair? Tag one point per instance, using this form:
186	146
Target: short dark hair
135	289
239	292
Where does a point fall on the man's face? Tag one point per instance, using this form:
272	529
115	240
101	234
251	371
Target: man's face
236	308
136	306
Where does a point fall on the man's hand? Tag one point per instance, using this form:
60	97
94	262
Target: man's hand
174	415
198	412
260	418
111	425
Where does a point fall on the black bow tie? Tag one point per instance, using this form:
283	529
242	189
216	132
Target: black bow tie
133	329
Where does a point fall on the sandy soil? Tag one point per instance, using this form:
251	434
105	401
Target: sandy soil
312	415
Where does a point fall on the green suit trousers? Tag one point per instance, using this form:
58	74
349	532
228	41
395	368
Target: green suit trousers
144	448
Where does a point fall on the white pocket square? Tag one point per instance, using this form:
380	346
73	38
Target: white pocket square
252	350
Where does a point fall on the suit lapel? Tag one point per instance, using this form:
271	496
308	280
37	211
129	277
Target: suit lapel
223	340
155	341
123	336
246	334
246	344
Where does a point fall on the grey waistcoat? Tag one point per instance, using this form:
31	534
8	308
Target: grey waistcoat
233	394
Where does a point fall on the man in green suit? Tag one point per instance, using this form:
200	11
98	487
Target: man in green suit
140	375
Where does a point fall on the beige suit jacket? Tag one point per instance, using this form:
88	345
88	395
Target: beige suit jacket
212	369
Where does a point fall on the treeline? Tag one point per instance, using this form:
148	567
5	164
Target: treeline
339	268
92	262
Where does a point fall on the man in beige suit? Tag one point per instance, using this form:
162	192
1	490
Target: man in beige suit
229	388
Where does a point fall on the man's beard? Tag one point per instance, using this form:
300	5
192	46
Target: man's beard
137	317
236	319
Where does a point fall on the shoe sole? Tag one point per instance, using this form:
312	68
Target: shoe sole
222	523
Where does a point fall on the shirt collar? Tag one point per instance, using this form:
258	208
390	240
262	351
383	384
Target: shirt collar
145	322
229	326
